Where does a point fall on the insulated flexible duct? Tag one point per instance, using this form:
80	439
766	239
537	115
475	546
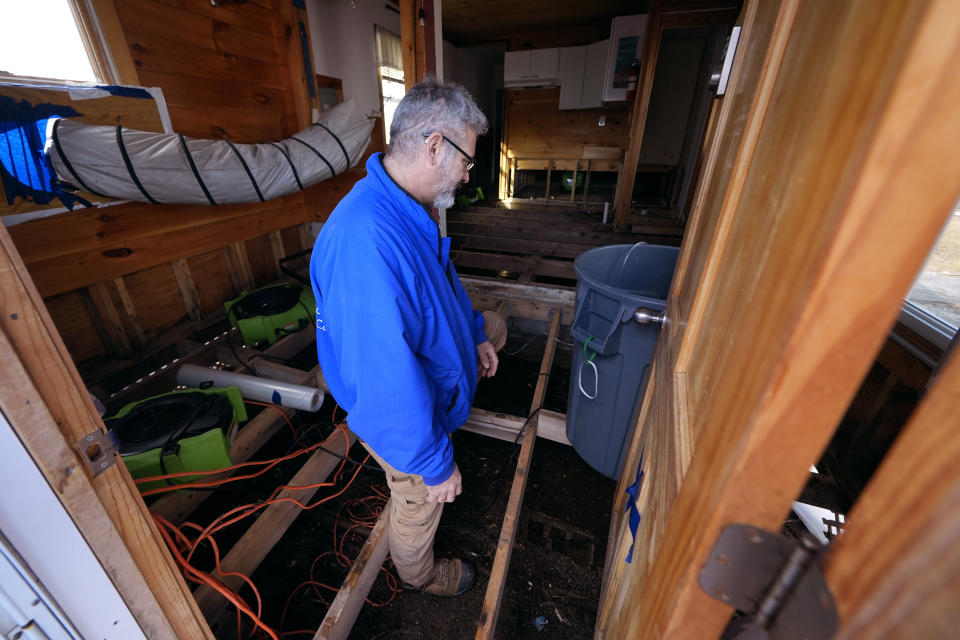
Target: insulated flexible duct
170	168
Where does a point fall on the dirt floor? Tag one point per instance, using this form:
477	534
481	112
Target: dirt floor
553	584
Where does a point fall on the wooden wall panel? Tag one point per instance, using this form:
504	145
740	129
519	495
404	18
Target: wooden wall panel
537	128
102	229
212	278
79	269
241	50
156	298
291	240
76	326
197	30
260	257
249	15
227	72
153	52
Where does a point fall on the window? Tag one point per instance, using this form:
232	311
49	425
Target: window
40	39
933	304
43	44
390	71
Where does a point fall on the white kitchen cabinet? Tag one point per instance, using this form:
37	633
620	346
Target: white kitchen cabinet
533	68
581	76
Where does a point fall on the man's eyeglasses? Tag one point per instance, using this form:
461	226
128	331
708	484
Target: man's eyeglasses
470	160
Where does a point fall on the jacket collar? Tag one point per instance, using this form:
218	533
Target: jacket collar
417	212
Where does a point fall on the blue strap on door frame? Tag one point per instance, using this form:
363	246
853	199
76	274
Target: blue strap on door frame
634	492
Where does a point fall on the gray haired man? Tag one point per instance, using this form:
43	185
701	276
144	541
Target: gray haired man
398	341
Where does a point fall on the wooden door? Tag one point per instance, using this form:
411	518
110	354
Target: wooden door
829	171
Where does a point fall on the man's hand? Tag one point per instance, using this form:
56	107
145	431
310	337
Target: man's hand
447	490
487	360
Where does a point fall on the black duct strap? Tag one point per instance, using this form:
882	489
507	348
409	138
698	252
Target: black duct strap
319	155
342	148
256	187
193	167
126	161
296	176
66	161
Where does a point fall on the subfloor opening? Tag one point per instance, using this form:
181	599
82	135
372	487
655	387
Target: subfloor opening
555	573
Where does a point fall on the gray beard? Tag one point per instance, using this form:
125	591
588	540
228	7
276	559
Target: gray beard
446	190
444	199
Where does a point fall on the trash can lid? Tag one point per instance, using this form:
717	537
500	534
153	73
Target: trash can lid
626	271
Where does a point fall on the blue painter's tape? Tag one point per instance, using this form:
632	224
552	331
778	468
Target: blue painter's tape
307	63
126	92
24	170
275	398
634	491
300	4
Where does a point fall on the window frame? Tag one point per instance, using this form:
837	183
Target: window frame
101	35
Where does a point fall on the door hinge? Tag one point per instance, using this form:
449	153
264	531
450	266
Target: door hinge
774	581
98	449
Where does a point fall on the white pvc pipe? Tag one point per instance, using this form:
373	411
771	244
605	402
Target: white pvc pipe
290	395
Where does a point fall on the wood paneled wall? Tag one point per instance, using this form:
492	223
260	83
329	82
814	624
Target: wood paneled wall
115	279
223	70
537	128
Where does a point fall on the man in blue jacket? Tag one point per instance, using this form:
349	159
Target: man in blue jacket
398	341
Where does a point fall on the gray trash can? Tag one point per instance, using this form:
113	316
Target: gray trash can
611	354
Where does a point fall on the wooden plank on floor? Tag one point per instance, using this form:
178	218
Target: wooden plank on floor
554	268
531	301
556	295
503	426
344	609
490	612
250	550
517	245
293	344
591	233
507	290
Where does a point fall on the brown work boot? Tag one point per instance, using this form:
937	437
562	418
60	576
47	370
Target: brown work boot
451	578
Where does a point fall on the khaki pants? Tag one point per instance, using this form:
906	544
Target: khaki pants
413	523
496	329
413	520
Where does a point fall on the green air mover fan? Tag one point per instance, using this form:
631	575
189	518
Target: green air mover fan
567	180
271	312
187	430
468	198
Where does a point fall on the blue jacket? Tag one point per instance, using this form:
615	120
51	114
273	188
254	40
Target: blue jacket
396	333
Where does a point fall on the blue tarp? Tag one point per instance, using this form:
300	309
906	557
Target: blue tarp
23	168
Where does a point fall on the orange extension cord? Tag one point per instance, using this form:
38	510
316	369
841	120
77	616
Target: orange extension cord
183	544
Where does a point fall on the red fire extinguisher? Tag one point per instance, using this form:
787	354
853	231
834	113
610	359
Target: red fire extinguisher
632	80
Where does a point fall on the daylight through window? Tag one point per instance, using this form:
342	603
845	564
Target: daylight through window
40	39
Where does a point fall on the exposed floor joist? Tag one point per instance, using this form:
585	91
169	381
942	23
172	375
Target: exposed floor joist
345	608
250	550
501	561
503	426
522	300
